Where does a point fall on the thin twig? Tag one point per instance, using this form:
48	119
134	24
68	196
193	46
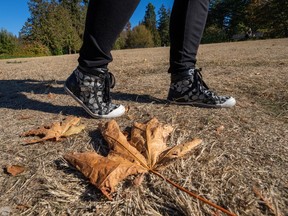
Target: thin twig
192	194
265	200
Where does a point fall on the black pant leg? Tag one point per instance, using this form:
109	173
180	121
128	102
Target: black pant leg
188	19
104	22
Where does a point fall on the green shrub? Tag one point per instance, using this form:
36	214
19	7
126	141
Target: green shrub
8	42
140	37
28	50
121	41
214	34
34	49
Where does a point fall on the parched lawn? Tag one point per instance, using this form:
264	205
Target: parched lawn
250	156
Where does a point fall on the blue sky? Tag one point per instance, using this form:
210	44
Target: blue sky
14	13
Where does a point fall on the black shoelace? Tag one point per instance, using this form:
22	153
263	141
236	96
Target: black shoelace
109	82
198	78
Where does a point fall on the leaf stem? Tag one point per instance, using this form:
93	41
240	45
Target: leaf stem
192	194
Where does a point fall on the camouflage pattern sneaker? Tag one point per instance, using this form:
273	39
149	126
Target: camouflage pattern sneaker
92	92
188	88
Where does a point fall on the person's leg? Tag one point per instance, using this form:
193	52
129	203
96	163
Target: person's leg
104	22
90	83
187	24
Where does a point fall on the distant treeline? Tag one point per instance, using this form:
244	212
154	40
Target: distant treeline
56	27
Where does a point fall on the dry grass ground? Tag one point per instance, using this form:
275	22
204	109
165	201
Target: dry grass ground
251	151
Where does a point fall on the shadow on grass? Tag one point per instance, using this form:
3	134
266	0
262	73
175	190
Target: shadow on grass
98	143
92	193
137	98
13	96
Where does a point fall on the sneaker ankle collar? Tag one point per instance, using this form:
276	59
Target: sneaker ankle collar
183	75
92	71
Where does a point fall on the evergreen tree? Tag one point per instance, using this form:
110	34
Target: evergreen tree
77	13
63	36
163	25
8	42
33	29
150	23
237	16
150	17
272	17
53	24
227	14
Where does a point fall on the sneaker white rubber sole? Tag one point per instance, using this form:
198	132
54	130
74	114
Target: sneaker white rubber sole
119	111
227	104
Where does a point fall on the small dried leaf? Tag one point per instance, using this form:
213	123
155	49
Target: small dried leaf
51	95
127	109
24	117
130	117
22	207
15	169
139	179
220	129
74	130
56	130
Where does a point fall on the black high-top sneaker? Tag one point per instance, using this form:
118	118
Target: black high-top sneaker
188	88
92	92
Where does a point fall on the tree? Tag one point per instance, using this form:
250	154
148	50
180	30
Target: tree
272	15
61	34
121	40
77	13
163	25
33	28
151	23
8	42
140	37
150	17
227	14
55	24
213	34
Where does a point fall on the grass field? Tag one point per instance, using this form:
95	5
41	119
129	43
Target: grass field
251	151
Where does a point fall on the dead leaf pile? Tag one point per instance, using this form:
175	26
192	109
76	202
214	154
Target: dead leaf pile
145	150
55	131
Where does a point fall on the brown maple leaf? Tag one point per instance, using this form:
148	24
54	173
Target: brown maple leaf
56	130
145	151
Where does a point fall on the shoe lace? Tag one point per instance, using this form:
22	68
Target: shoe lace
110	82
198	78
